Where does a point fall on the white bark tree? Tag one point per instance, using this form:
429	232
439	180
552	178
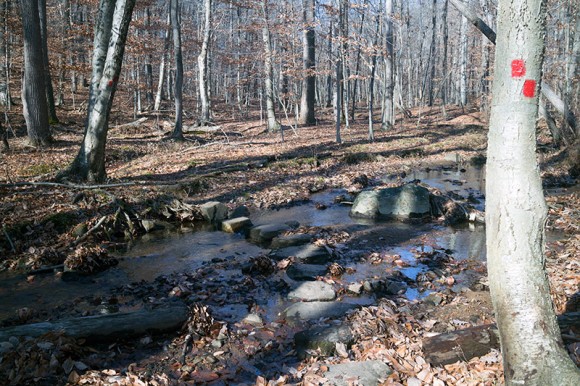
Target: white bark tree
111	29
389	92
307	114
202	64
516	210
273	124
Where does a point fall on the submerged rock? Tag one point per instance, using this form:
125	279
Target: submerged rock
290	240
404	202
265	233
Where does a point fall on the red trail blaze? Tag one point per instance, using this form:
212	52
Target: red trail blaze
529	88
518	68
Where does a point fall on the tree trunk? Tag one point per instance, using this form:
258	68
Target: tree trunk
371	99
463	63
516	210
4	146
109	46
162	68
307	101
4	97
52	118
178	61
432	58
34	104
202	63
273	124
389	101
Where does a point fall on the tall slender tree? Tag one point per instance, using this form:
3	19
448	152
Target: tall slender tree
389	92
178	62
273	124
202	64
52	117
515	207
308	99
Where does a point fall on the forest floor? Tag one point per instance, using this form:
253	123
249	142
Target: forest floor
239	163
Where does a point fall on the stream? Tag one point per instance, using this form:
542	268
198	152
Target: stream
171	252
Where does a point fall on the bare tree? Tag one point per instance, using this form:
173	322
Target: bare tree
273	124
111	29
516	211
389	92
52	118
34	104
307	114
178	61
202	64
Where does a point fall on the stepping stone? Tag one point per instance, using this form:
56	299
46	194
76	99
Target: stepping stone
313	291
368	373
280	242
303	272
317	310
265	233
214	211
323	340
240	211
236	224
310	254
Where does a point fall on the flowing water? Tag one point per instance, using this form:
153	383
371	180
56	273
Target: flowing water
164	253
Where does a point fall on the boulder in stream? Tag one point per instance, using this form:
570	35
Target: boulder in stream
317	310
214	211
303	272
290	240
310	254
403	202
313	291
323	340
265	233
238	224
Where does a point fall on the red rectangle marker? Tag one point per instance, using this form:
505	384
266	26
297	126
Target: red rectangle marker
518	68
530	88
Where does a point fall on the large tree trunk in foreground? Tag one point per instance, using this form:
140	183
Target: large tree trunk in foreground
107	327
307	101
109	46
34	104
389	91
52	118
516	210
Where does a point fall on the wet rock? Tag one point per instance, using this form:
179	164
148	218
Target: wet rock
240	211
309	254
265	233
323	340
313	291
280	242
395	287
150	225
238	224
317	310
302	272
434	299
254	320
355	288
368	373
214	211
231	312
404	202
6	347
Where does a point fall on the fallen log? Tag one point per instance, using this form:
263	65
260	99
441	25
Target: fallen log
136	123
107	327
462	345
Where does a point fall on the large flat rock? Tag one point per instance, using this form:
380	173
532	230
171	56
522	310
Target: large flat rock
317	310
323	340
286	241
238	224
310	254
303	272
312	291
367	373
265	233
403	202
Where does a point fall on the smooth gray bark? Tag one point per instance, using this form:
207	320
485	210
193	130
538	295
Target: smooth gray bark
273	124
34	103
463	63
4	96
178	62
202	64
308	98
162	67
516	210
389	101
110	36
